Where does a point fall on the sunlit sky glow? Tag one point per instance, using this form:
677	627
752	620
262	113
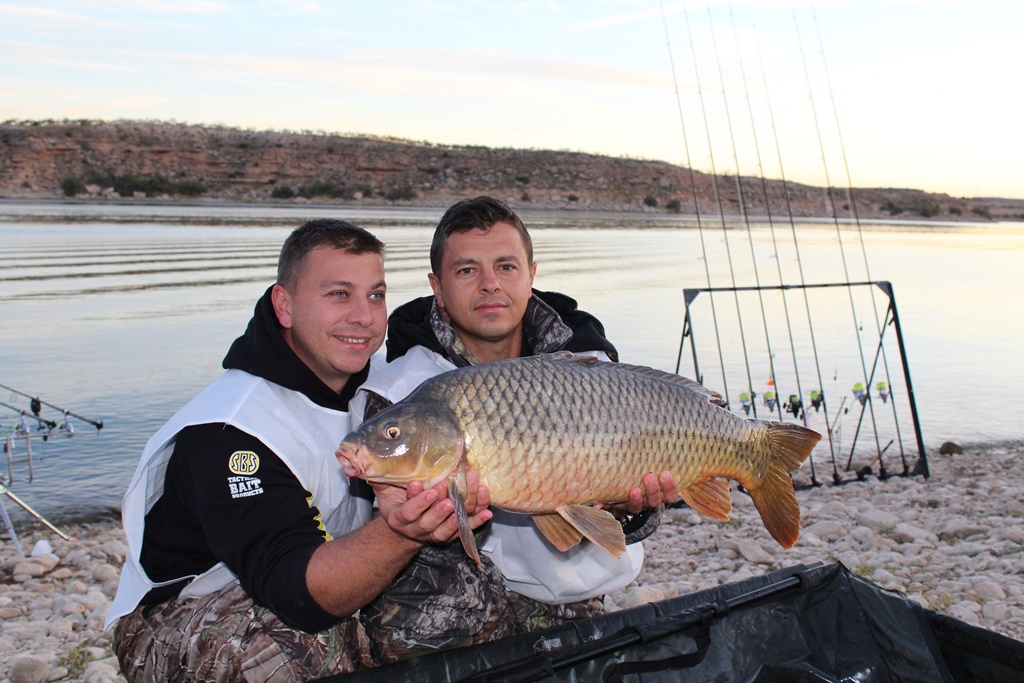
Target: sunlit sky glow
921	94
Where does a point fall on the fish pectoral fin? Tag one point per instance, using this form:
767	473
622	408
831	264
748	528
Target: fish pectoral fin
600	526
709	498
557	530
465	531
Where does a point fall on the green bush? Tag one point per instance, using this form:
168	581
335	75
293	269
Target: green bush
673	205
72	186
399	193
892	208
366	190
321	188
650	201
928	208
982	211
282	192
524	179
573	198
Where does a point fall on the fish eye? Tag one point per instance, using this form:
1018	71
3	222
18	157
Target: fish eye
392	431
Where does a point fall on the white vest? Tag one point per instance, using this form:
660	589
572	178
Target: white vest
303	434
530	564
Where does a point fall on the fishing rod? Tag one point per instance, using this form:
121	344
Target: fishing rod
743	209
836	478
721	209
36	404
700	224
860	230
839	233
775	245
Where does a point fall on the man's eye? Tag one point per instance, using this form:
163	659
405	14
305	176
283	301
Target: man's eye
378	296
339	294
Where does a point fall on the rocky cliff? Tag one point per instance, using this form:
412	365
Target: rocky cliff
137	160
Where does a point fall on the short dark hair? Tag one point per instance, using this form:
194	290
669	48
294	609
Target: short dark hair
481	213
322	232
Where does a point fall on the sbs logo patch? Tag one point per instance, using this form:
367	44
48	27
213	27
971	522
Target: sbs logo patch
244	462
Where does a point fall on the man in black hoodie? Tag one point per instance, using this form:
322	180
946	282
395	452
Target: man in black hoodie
484	308
248	549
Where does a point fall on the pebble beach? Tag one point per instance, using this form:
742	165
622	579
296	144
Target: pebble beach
953	542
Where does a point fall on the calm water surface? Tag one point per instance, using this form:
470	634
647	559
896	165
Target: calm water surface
123	313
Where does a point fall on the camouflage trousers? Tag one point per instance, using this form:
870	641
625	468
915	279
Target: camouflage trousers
442	600
225	637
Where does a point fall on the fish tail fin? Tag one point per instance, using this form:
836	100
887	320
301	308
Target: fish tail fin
774	496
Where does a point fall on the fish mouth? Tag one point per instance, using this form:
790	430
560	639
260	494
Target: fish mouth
348	456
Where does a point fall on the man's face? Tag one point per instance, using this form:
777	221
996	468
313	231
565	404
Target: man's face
335	316
484	284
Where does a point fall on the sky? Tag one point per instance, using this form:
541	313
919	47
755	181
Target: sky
921	94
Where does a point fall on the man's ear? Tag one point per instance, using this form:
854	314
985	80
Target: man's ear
282	305
533	272
435	284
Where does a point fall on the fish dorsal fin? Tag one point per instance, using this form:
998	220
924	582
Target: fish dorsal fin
559	532
600	526
709	498
570	357
693	385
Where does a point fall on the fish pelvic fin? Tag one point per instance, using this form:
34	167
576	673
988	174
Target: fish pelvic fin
774	496
558	531
600	526
465	531
709	498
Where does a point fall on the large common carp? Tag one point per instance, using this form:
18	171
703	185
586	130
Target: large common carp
551	435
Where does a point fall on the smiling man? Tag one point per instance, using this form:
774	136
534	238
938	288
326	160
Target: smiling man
248	550
484	308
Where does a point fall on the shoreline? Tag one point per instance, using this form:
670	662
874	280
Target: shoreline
954	543
537	209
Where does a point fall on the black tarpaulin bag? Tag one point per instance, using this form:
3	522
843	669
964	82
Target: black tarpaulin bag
819	623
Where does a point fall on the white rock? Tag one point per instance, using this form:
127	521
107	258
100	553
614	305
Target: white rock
28	669
753	552
876	519
826	530
990	590
907	532
41	548
995	611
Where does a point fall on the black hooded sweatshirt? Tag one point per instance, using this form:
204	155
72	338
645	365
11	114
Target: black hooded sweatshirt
266	539
409	325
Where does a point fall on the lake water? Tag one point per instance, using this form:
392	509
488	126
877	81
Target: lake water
124	312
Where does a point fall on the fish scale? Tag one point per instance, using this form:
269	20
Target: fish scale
552	433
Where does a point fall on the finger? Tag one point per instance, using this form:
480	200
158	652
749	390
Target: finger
652	491
415	488
414	508
635	504
669	488
472	495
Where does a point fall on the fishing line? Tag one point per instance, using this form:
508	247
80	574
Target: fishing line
721	210
800	268
839	235
746	217
696	208
860	232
